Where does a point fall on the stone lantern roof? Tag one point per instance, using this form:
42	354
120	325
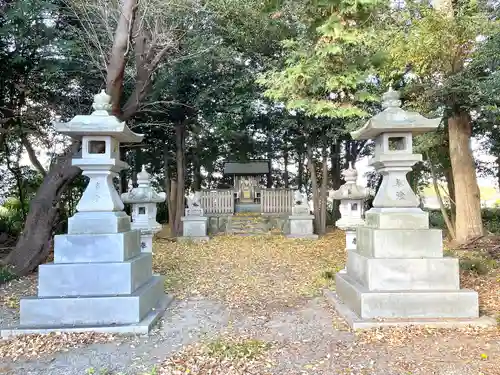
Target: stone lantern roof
394	119
144	192
350	190
100	122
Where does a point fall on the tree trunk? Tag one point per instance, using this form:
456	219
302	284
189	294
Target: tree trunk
34	244
336	176
167	184
285	172
448	175
324	192
121	47
196	171
314	187
449	225
181	169
300	170
469	223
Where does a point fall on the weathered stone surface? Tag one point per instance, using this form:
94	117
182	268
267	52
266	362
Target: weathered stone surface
413	218
404	243
406	304
91	279
99	223
88	248
301	226
403	274
194	226
92	311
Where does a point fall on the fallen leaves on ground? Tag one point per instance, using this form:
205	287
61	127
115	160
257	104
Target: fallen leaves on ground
36	346
228	356
251	272
12	291
424	350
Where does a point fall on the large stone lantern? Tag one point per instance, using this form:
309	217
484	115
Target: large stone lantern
143	200
352	200
397	274
100	280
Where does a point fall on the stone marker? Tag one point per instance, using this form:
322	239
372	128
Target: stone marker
99	281
398	275
194	223
144	199
352	199
301	220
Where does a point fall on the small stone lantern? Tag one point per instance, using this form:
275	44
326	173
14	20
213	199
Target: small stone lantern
144	200
397	274
352	198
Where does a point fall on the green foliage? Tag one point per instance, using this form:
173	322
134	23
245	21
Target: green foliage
491	219
6	275
478	266
326	73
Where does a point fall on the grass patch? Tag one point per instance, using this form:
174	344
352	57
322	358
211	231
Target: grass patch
245	349
6	274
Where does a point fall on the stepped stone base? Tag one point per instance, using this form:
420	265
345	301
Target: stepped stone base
141	328
98	281
247	225
357	323
369	304
397	272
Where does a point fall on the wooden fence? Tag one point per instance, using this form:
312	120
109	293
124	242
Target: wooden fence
276	201
217	201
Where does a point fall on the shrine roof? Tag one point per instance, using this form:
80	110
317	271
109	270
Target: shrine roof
253	167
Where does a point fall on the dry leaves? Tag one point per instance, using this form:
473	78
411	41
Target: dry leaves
36	346
228	356
251	272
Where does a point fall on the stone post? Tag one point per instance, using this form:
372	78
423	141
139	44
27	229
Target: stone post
301	220
99	281
352	198
194	223
397	275
143	200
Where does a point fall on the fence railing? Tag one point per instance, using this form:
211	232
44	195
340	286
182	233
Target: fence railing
276	201
217	201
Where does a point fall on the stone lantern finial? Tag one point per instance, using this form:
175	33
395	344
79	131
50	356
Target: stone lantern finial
391	99
102	104
350	174
143	177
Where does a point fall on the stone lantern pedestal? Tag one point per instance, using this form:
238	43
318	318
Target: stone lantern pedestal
194	224
397	274
301	220
99	281
352	199
144	199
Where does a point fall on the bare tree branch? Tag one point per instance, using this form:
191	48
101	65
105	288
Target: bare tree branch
32	155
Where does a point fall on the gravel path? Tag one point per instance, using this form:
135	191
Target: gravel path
184	322
308	339
309	329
